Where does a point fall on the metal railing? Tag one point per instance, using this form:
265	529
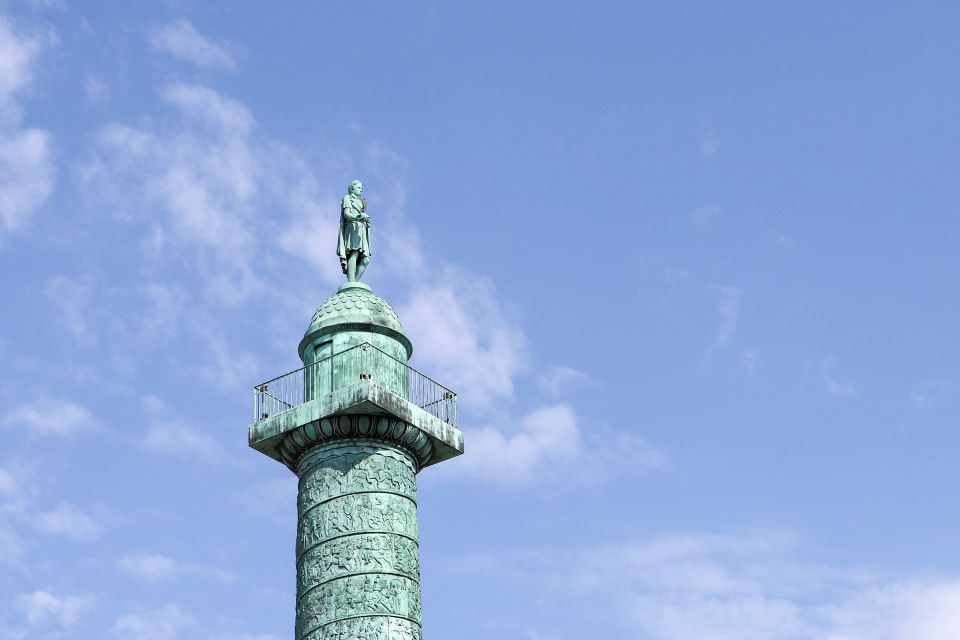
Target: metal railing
362	362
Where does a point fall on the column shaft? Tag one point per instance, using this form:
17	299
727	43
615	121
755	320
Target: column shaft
358	572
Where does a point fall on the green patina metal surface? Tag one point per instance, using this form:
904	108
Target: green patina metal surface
351	317
356	441
321	419
353	245
358	570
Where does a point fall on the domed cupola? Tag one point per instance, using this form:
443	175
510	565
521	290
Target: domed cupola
355	315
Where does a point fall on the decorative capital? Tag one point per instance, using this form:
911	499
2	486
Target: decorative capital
356	427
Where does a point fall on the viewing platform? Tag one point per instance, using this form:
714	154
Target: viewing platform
362	379
362	362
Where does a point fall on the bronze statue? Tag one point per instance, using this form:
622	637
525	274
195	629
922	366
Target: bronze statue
353	247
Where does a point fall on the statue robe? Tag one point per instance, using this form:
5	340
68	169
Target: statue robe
354	234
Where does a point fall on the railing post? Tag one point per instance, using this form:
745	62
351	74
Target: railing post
304	384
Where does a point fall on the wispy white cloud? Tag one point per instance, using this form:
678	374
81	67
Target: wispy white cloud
58	5
19	49
465	336
835	386
181	40
223	114
728	311
69	521
749	586
12	548
72	297
933	393
14	494
9	487
558	380
166	309
51	417
269	498
96	89
43	608
223	366
162	623
204	177
151	567
903	610
27	166
196	185
308	232
709	142
88	311
168	434
549	442
548	435
26	176
148	566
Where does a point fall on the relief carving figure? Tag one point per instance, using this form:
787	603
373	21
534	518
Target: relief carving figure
372	553
368	628
360	472
357	556
354	513
356	595
353	245
404	630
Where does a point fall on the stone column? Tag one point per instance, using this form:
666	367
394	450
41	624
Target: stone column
358	571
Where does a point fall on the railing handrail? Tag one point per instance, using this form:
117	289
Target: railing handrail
438	399
394	358
262	385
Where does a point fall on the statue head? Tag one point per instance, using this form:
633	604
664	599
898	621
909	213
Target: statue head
355	188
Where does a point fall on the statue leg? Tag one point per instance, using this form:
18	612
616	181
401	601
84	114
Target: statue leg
352	266
362	266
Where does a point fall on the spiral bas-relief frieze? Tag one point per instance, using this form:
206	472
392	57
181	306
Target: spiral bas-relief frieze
358	571
359	596
357	554
335	471
368	628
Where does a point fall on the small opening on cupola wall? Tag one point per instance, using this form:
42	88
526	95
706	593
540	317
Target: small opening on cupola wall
366	376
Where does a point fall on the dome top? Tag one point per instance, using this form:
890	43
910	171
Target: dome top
355	307
355	304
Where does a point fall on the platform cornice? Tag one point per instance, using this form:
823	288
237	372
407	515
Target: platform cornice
364	397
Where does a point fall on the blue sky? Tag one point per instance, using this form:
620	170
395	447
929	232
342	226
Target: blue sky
691	267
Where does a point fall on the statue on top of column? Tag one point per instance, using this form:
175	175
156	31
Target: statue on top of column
353	247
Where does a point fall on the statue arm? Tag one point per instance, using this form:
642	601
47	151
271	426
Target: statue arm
349	212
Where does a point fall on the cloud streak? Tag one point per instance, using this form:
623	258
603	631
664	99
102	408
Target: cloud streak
51	418
44	608
834	385
464	336
153	568
27	167
160	623
69	521
747	586
181	40
549	443
556	381
728	312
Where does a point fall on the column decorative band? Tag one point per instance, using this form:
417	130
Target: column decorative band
361	427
